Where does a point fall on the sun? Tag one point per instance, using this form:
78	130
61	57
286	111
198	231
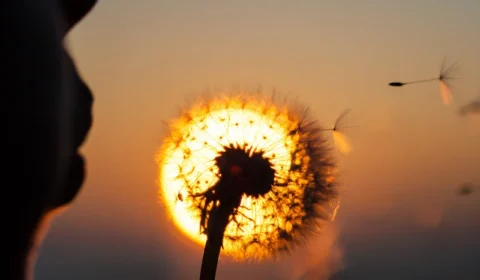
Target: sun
187	168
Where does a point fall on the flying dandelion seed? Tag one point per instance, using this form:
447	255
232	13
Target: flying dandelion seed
466	189
340	140
471	108
248	176
443	78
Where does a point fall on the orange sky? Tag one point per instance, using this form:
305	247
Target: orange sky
143	63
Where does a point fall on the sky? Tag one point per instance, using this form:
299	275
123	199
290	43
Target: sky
400	216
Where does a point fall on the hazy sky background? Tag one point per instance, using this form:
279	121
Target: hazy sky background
400	216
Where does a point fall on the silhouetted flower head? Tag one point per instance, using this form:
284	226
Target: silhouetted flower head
269	154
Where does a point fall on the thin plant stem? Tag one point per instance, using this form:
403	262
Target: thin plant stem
218	221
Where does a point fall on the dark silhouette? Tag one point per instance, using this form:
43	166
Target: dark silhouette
396	84
242	173
46	111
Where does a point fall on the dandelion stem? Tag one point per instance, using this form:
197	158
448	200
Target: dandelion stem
217	223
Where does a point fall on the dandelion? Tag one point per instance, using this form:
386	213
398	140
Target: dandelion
248	176
443	78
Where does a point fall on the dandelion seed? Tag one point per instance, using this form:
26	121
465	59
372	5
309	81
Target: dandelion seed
250	185
339	139
443	78
466	189
471	108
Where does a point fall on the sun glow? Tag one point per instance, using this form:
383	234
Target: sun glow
187	168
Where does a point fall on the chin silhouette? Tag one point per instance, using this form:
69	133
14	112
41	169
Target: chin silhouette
46	110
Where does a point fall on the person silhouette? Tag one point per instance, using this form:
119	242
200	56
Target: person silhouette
45	116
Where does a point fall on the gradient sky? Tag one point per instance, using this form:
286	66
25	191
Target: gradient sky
400	216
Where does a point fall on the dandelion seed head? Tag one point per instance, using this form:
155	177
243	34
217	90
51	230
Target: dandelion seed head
275	155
